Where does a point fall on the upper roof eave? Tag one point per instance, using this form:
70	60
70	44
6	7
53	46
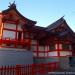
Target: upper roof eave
55	24
14	8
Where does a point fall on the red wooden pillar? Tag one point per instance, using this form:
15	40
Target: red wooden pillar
1	28
1	33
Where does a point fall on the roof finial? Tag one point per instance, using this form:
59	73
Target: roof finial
13	5
14	2
63	16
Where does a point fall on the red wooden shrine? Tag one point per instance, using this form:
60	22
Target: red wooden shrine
18	32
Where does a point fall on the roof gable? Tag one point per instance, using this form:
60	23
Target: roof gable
13	12
55	24
60	27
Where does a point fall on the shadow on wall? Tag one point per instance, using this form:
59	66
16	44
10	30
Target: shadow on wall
15	57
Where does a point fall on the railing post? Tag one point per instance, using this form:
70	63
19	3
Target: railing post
18	69
1	70
33	69
42	69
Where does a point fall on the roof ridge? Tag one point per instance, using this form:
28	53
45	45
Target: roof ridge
13	6
56	23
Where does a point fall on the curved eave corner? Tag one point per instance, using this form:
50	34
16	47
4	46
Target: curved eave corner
13	7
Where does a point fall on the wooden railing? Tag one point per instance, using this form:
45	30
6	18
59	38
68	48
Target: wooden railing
32	69
6	40
7	43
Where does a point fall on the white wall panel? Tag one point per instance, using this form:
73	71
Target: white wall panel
8	34
56	46
65	53
34	53
41	54
19	27
46	54
46	48
54	53
10	26
70	47
33	48
33	42
60	46
41	48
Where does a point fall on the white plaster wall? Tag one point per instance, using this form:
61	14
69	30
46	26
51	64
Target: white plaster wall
8	34
34	54
70	47
46	48
33	42
60	46
10	26
46	54
56	46
41	54
33	48
41	48
19	27
33	45
54	53
65	53
12	57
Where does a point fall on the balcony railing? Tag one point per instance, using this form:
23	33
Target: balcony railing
14	42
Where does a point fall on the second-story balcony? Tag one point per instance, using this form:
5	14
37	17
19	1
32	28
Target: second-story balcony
8	42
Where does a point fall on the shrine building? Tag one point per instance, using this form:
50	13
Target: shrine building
54	43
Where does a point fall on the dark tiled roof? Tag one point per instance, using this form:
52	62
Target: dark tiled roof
13	6
55	24
40	28
63	33
45	30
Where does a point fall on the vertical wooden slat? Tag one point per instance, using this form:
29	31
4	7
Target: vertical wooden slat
32	69
13	70
2	70
5	69
17	69
10	70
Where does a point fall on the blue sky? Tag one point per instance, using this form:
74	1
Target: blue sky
45	12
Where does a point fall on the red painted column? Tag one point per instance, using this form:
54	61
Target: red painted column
1	28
